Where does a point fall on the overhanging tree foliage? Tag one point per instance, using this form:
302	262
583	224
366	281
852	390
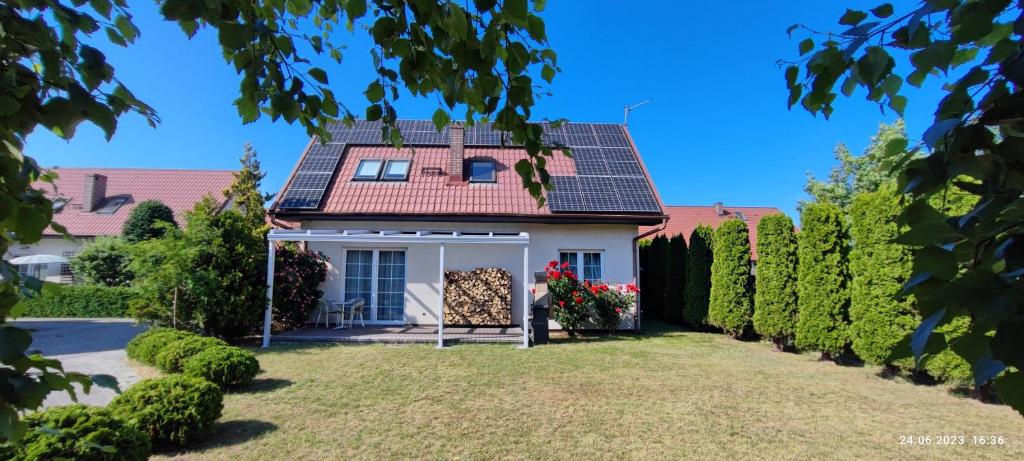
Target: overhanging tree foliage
823	292
698	277
675	279
775	300
731	304
142	222
657	265
970	265
879	317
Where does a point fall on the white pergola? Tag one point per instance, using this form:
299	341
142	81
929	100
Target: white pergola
402	237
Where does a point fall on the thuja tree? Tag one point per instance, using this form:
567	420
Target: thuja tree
972	264
879	317
675	279
731	304
823	280
698	277
657	263
142	221
775	301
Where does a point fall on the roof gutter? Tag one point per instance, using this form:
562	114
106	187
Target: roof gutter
636	267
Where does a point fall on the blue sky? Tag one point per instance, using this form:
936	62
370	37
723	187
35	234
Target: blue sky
717	128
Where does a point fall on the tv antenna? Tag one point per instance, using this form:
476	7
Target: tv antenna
626	110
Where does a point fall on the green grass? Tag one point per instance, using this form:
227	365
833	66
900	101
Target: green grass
667	396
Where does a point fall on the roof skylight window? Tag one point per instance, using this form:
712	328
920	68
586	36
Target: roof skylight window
396	170
368	169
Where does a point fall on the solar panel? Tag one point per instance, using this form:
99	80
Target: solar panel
566	194
635	195
624	169
599	193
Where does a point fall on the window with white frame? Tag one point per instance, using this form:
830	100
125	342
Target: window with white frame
592	263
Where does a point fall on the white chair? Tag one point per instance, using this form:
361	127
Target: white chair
325	309
354	307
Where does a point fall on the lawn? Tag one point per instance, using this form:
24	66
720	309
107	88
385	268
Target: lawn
664	396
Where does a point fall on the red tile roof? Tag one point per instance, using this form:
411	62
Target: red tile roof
178	189
684	219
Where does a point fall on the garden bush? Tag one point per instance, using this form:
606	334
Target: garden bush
775	299
142	221
172	358
823	293
608	304
56	300
104	261
145	346
78	432
297	278
568	297
174	410
226	366
731	303
698	277
675	279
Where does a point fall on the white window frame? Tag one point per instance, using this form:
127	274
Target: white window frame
494	171
371	304
376	177
384	171
580	262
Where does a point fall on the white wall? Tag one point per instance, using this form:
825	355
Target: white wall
422	296
47	246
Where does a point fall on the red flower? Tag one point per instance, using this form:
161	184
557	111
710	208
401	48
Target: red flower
553	263
554	276
618	310
586	283
579	300
533	290
561	303
565	265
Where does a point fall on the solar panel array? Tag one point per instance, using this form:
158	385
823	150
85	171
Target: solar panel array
608	175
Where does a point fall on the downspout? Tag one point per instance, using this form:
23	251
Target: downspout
636	267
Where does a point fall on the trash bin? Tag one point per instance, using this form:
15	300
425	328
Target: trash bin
539	323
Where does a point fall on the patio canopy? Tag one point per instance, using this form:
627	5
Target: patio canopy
401	237
38	259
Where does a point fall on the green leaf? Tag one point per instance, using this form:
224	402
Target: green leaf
319	75
441	119
1010	387
898	104
849	85
792	72
14	342
457	23
127	29
547	73
852	17
355	9
106	381
517	10
374	92
919	338
374	112
234	36
882	11
806	45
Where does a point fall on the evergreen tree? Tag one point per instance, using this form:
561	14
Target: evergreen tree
244	191
657	262
731	303
675	279
142	222
775	301
823	280
698	277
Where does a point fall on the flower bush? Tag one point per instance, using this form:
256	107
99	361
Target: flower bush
611	303
574	302
297	278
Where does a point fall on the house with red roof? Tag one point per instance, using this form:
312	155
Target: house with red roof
683	219
392	220
92	202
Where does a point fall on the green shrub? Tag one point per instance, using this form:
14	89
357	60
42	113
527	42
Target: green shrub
174	355
78	432
174	410
879	268
653	296
775	299
675	279
104	261
141	222
56	300
297	280
226	366
145	346
731	303
946	365
698	277
822	280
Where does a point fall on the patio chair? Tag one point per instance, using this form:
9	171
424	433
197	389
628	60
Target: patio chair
354	307
325	309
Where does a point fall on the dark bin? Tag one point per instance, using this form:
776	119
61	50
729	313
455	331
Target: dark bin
540	324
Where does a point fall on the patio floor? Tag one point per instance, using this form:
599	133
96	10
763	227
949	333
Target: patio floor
405	334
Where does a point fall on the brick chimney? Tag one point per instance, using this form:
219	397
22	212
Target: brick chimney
456	153
95	191
719	209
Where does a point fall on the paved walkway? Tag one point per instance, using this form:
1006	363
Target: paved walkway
90	346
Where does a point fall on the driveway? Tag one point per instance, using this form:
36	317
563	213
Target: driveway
90	346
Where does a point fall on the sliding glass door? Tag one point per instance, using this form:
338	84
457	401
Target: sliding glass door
378	276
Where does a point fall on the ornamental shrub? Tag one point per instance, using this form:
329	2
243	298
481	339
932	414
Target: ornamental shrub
731	303
608	304
174	355
174	410
675	279
655	273
104	261
79	301
297	278
141	223
78	432
823	292
569	306
145	346
698	277
775	299
879	320
226	366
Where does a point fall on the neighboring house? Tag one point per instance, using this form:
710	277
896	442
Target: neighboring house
91	202
684	219
392	220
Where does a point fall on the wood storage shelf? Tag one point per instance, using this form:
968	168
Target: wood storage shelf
478	297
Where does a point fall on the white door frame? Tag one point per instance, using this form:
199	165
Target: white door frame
371	304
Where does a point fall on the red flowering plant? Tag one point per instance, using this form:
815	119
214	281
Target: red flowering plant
611	303
569	298
297	277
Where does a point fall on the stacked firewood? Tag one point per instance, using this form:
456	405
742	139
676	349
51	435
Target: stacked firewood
478	297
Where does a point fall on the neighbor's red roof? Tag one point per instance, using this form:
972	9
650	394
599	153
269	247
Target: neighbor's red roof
427	192
178	189
684	219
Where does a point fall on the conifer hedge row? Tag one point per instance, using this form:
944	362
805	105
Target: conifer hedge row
823	293
731	303
775	301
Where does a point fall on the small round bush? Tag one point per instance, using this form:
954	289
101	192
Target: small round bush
173	357
174	410
81	433
226	366
145	346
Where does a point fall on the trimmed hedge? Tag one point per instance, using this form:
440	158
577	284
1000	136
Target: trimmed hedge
226	366
731	303
141	222
174	410
145	346
698	277
879	320
78	432
174	355
675	279
775	301
57	300
823	280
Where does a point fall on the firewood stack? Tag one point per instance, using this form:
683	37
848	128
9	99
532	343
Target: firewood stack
478	297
